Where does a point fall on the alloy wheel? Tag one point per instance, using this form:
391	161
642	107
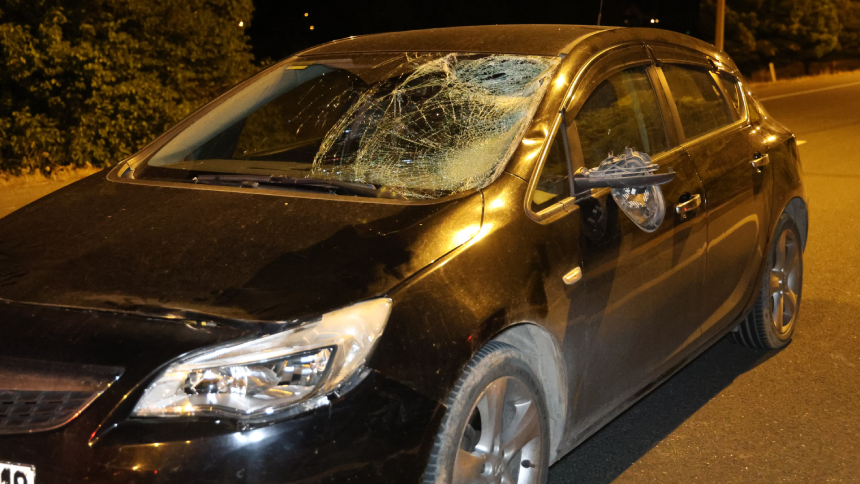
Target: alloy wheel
501	443
784	282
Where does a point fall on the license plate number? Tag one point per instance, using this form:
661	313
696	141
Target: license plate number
17	473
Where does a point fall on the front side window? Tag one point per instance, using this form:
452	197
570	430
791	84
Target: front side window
701	106
622	112
553	185
391	124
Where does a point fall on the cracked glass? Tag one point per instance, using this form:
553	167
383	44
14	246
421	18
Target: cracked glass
411	126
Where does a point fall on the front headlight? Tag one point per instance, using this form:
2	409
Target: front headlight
293	369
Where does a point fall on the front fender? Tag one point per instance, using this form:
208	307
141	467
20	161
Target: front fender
509	273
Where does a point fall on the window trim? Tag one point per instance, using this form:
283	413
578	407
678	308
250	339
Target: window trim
560	208
592	65
673	137
716	75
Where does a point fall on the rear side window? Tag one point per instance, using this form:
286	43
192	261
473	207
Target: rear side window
730	84
621	113
701	106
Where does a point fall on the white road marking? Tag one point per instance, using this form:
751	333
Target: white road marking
810	91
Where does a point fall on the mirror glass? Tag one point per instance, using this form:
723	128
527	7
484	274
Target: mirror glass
643	205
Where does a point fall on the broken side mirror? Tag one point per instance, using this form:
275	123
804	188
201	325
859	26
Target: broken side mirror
631	169
635	186
583	183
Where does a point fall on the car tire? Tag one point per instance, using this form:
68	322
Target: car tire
500	391
772	320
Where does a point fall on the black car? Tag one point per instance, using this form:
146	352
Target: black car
437	256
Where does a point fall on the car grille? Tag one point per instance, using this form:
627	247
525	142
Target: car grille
30	411
42	395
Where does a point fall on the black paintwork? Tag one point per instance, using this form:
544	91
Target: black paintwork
119	272
249	257
386	443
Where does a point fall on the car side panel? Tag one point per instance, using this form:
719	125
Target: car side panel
788	184
738	210
738	199
788	190
511	272
638	306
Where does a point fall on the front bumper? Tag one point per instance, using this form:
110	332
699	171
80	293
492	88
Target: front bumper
379	432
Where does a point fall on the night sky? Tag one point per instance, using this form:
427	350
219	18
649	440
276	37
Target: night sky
280	27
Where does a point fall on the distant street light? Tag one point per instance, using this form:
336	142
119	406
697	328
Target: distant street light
241	24
721	25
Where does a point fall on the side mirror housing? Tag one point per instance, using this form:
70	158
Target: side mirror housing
583	182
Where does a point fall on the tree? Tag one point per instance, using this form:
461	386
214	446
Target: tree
94	80
779	31
849	37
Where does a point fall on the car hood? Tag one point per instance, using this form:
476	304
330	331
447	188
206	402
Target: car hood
100	244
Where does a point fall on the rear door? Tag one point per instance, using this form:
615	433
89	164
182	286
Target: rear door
637	306
713	124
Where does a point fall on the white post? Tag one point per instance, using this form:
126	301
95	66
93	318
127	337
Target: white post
772	72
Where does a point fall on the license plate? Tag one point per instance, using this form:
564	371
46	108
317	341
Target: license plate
17	473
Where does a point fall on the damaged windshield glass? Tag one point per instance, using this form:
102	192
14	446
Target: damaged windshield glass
412	125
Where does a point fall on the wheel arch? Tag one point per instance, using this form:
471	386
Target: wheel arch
543	354
797	209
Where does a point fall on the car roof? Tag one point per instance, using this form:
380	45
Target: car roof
502	39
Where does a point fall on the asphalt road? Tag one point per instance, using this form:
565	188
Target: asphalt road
741	415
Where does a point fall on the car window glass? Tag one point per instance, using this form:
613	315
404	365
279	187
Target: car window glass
730	84
553	185
754	107
701	106
622	112
414	126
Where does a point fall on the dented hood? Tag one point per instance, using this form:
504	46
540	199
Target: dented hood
99	244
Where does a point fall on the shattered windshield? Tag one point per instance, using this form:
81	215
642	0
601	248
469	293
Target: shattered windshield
405	125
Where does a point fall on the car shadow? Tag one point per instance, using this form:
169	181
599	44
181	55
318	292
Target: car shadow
618	445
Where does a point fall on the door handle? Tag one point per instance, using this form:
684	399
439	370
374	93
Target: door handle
688	206
759	160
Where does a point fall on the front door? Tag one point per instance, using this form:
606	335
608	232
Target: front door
638	302
722	144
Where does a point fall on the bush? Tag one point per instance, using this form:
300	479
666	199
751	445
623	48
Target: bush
786	32
94	80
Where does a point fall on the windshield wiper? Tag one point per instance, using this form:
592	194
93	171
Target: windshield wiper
254	181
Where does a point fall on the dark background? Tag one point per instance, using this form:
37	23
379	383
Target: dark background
280	27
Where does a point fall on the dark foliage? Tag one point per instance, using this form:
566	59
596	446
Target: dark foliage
786	31
94	80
